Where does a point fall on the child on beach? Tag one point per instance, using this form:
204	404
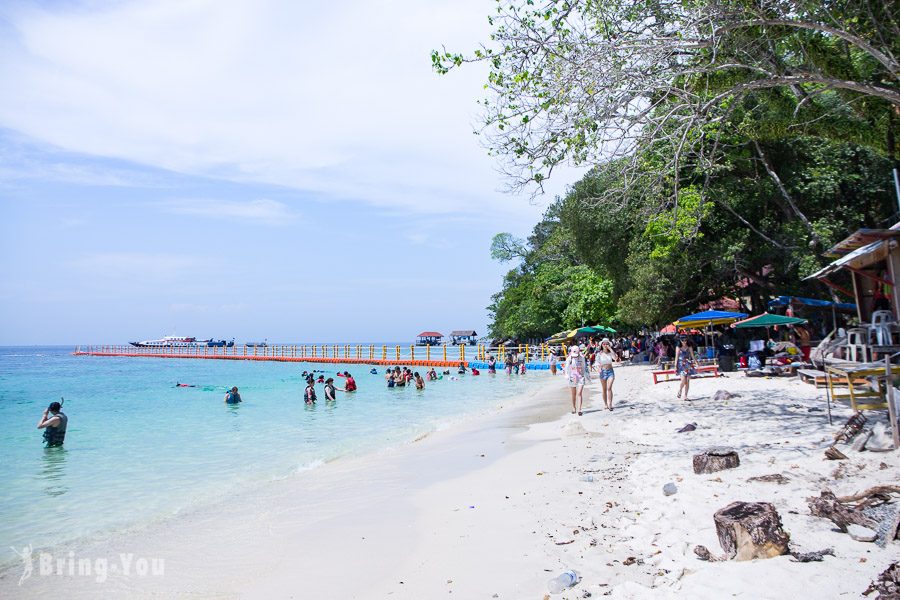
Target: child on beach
578	374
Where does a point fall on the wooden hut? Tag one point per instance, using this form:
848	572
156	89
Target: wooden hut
429	338
464	337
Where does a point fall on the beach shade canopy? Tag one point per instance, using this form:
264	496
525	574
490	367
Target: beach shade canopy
670	328
767	320
812	303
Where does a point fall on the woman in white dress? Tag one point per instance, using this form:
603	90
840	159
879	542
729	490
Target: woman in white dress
578	374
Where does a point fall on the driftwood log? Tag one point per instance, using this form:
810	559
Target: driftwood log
887	586
749	530
828	506
716	459
832	453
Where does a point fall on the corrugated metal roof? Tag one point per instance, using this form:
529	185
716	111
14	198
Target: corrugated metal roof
862	237
848	258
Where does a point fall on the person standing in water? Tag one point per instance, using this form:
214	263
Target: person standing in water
232	397
54	422
420	383
492	364
684	366
578	375
309	394
604	358
330	390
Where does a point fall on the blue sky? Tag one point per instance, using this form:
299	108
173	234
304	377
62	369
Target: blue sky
266	169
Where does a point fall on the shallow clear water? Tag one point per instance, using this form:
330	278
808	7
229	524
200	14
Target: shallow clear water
138	448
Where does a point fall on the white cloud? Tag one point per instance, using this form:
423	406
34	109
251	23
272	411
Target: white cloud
268	212
333	98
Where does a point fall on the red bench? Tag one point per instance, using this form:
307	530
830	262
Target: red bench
703	370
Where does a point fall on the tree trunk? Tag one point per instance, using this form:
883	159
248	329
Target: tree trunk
716	459
749	530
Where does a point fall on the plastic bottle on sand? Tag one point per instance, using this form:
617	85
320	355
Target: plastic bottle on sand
566	580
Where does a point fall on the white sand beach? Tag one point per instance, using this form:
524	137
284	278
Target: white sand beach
496	506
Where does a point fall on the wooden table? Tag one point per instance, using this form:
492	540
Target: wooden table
848	374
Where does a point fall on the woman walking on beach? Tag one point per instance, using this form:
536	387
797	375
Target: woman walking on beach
553	361
684	366
605	358
578	375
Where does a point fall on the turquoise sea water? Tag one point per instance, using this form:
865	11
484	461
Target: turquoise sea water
140	449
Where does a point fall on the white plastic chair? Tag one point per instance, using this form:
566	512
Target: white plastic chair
880	328
858	344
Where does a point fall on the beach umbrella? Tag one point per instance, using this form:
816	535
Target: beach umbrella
714	315
709	318
767	320
603	329
558	338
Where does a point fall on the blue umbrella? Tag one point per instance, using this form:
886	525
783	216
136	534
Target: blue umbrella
714	315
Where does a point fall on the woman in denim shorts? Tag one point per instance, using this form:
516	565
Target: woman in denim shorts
605	358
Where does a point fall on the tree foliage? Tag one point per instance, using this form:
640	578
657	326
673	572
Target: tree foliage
730	142
591	81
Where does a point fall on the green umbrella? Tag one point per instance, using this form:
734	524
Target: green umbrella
603	329
767	320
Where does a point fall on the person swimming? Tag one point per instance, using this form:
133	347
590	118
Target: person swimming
233	397
462	369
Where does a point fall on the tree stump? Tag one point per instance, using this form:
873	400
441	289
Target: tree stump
749	530
716	459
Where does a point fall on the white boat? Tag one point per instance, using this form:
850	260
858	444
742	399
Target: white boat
172	341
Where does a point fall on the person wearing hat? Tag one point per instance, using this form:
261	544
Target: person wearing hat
605	358
330	390
578	374
553	360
